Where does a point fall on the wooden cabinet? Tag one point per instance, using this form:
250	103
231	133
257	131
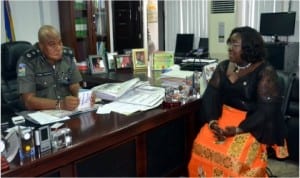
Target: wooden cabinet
83	26
127	25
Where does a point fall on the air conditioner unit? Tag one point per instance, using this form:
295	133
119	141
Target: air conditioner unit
222	19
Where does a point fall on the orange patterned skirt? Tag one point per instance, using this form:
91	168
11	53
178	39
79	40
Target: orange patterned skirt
241	155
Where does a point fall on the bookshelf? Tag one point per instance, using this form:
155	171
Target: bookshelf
83	26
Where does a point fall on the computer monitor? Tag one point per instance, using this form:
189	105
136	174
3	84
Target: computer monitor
277	24
184	44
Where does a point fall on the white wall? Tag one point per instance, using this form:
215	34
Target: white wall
28	16
220	25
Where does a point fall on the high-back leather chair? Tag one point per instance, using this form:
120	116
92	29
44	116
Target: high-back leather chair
285	82
289	83
184	45
204	45
10	98
292	120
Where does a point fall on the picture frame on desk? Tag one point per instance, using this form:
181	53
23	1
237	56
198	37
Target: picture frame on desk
163	60
139	59
110	60
97	64
123	62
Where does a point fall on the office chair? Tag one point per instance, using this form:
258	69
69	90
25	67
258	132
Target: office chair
201	51
289	86
184	44
291	115
10	99
203	44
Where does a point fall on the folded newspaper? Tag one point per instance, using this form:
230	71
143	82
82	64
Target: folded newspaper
141	98
112	91
129	96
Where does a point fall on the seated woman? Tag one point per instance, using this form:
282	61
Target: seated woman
241	108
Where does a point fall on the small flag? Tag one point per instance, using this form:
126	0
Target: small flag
9	25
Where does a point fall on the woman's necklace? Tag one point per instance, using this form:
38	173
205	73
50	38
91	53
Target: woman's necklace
238	68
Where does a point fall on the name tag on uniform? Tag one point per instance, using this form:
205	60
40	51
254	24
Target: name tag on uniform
43	74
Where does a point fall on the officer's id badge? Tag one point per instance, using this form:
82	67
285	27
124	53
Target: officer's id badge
21	70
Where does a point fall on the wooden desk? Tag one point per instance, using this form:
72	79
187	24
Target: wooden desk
152	143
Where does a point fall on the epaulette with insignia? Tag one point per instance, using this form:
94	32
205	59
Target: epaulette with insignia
68	51
32	53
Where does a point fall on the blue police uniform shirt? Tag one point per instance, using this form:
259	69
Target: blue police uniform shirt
37	75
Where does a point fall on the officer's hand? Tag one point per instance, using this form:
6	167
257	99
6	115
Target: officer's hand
70	103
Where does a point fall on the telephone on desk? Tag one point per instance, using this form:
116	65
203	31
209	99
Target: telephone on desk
195	54
198	53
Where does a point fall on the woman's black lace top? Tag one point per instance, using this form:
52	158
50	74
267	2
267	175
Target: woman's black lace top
258	93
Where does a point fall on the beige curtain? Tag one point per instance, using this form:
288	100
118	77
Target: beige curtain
249	13
191	16
185	16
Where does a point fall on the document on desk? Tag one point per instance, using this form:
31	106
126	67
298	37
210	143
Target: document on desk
195	60
139	99
177	74
41	118
144	95
55	115
112	91
85	99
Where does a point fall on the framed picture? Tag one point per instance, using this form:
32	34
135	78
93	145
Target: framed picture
123	62
139	59
163	60
97	64
110	57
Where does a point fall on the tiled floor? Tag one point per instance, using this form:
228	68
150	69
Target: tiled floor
283	168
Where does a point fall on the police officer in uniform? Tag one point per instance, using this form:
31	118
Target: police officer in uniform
47	74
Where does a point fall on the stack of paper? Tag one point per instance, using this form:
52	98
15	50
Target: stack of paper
112	91
44	118
141	98
176	78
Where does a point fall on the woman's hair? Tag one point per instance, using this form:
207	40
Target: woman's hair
253	48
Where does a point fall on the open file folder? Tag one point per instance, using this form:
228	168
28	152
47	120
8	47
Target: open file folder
140	97
144	95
